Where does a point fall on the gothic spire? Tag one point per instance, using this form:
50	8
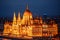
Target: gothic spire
19	19
14	19
27	6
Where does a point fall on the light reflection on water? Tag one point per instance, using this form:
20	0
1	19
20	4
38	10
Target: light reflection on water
9	39
5	39
31	39
38	38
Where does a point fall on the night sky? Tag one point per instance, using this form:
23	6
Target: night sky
37	7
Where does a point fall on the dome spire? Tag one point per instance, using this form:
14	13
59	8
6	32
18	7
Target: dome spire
27	6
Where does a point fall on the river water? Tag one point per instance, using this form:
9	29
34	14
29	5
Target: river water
32	39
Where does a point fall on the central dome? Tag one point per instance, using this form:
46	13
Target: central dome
27	12
27	16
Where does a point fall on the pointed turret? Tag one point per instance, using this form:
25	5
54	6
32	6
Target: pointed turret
14	19
27	7
19	18
41	21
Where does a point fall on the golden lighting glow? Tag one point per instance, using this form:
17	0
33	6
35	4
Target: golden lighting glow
29	27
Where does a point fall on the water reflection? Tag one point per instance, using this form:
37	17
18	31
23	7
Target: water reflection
5	39
32	39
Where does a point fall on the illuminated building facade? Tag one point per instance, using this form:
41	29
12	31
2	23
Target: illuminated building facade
27	26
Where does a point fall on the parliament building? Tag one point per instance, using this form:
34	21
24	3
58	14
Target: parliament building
27	26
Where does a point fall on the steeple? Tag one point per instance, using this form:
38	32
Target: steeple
19	18
27	6
14	19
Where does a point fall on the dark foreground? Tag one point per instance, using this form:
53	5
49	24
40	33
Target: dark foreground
34	38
